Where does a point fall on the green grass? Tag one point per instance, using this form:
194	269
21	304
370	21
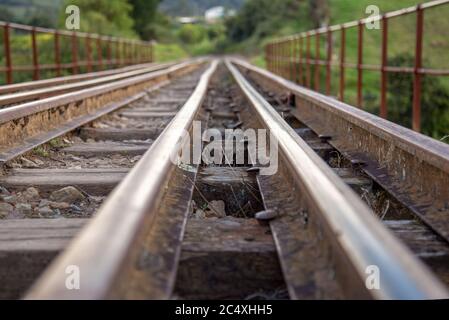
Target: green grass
169	52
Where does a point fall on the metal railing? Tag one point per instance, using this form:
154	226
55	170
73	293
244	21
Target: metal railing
66	51
286	57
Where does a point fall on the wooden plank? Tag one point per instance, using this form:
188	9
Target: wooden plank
119	134
222	246
147	114
424	243
98	149
92	181
356	182
27	246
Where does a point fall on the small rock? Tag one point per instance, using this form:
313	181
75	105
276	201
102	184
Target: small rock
24	208
200	214
39	162
5	209
45	212
31	194
4	191
59	205
44	203
67	194
266	215
9	199
75	209
26	163
218	208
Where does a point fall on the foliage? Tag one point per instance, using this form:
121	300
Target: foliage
434	100
190	33
103	17
144	15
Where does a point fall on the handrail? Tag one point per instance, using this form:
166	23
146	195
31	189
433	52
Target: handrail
285	56
110	51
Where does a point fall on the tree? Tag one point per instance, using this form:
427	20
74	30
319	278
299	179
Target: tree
144	15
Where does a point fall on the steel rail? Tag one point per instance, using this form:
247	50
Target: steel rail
406	163
29	108
31	85
101	248
351	226
59	89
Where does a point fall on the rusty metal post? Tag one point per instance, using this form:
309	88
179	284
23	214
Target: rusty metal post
57	54
329	61
309	75
317	65
383	88
289	57
301	76
124	53
266	57
360	64
7	48
74	53
117	53
152	55
416	119
99	53
294	61
109	41
276	58
35	54
89	54
342	63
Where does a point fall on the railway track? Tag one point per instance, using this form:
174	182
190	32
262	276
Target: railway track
14	94
221	219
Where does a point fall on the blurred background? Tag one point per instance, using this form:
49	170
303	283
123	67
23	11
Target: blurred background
183	28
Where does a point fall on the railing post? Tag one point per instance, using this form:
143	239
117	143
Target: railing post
35	54
360	64
74	53
117	53
329	61
275	70
309	75
7	47
57	54
317	65
89	54
342	63
383	88
301	76
109	40
295	59
416	120
99	53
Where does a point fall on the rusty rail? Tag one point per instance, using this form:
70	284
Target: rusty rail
280	58
98	52
352	227
142	189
